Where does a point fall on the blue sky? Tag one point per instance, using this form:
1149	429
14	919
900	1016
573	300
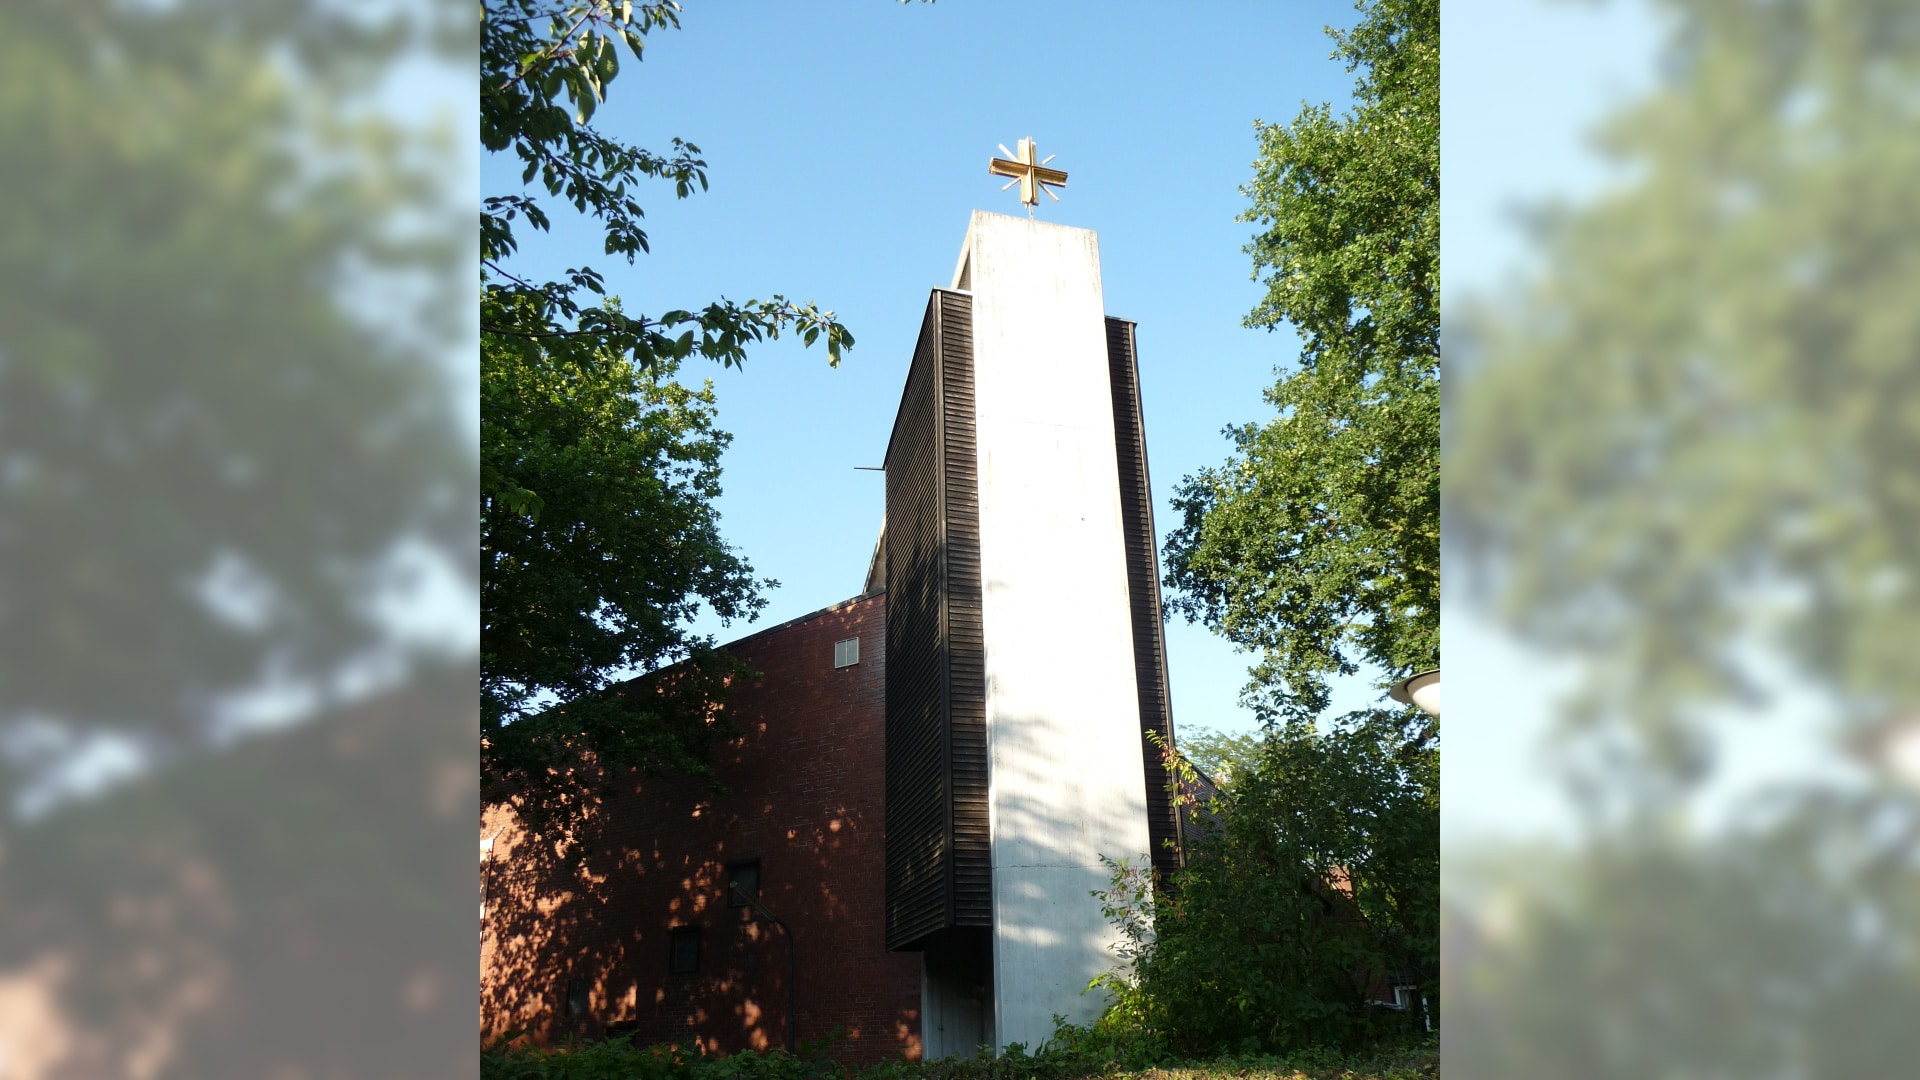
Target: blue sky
848	144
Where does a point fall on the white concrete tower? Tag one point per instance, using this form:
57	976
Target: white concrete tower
1062	708
1025	653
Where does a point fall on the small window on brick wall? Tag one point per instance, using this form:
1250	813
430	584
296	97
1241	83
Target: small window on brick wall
685	958
846	653
746	875
579	999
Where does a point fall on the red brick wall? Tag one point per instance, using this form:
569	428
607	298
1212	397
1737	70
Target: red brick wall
804	795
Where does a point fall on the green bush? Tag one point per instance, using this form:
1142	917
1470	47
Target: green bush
1317	883
619	1059
1072	1054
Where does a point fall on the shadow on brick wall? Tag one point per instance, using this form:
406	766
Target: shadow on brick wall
579	941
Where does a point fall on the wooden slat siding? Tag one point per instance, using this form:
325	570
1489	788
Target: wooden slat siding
917	796
1143	590
971	876
939	868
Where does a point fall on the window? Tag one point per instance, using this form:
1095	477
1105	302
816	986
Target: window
846	653
747	876
685	958
579	999
1408	997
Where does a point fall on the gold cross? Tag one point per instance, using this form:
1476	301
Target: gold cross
1032	176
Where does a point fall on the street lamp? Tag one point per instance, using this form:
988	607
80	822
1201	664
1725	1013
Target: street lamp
753	902
1421	690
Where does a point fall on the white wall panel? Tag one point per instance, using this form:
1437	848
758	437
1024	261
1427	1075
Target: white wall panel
1063	724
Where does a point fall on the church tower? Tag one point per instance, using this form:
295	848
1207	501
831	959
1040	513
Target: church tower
1024	640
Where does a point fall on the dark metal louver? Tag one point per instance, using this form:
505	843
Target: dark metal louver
938	847
1143	590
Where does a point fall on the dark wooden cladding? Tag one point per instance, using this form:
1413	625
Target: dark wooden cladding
972	881
916	779
937	849
1143	591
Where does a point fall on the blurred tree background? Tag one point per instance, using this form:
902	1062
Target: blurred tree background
237	530
1682	457
219	448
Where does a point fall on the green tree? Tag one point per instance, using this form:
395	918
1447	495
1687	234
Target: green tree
1221	755
1317	547
598	536
1318	541
545	66
1315	888
623	550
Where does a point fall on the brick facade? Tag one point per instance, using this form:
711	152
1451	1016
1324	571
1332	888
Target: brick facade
803	797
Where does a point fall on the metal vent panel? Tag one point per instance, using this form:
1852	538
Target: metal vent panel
938	849
966	643
1143	590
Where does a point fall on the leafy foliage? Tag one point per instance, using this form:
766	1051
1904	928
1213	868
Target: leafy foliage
619	1059
598	538
1316	886
1219	754
1317	546
601	542
1320	538
545	66
1072	1053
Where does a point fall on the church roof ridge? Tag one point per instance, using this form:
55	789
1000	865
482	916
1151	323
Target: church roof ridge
841	605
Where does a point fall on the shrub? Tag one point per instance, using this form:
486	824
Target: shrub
619	1059
1317	883
1071	1054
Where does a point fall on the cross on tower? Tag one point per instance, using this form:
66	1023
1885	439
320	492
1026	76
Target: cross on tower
1032	176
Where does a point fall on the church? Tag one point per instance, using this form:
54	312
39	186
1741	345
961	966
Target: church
930	773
